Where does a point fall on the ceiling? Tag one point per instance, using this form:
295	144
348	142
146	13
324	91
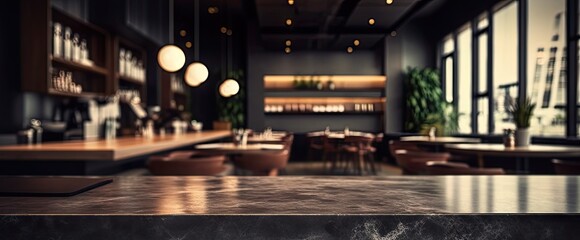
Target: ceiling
328	24
316	24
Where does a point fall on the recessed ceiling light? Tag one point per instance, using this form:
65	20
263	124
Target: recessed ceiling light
288	43
229	32
182	33
223	29
287	50
288	22
349	49
290	2
394	33
213	10
188	44
389	2
356	42
371	21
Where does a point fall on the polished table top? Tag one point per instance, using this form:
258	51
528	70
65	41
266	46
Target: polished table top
231	148
533	150
439	140
312	196
107	150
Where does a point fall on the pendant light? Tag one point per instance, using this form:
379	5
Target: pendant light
230	86
170	57
196	73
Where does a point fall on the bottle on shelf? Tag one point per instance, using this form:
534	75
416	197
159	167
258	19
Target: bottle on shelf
76	48
57	40
122	62
67	43
84	51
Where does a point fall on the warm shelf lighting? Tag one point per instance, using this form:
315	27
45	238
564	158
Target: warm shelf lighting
356	42
171	58
371	21
389	2
188	44
182	33
288	22
340	81
287	50
349	49
290	2
195	74
288	43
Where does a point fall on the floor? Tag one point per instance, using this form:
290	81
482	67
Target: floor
310	168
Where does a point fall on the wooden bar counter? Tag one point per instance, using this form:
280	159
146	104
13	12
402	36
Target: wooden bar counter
93	157
107	150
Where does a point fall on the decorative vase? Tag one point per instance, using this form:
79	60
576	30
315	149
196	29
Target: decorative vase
522	137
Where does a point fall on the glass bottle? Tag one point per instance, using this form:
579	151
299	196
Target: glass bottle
67	44
84	51
122	62
76	48
57	40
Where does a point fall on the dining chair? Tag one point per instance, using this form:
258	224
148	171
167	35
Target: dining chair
315	146
331	152
566	167
180	164
360	153
415	162
450	168
395	145
267	163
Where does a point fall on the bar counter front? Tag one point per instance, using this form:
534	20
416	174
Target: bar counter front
402	207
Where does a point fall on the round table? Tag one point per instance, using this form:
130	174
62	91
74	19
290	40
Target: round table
499	150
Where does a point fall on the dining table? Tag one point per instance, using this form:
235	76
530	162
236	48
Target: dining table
230	148
521	154
437	143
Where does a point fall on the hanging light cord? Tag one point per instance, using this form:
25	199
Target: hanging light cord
196	32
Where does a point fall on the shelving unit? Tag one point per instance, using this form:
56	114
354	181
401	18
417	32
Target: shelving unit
358	101
173	92
124	81
38	64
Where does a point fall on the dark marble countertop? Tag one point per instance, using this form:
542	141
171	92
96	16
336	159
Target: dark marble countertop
404	195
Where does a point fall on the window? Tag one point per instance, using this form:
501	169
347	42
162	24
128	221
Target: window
482	96
465	97
447	70
505	65
547	66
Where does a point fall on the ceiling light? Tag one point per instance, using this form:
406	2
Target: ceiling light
287	50
229	87
182	33
349	49
288	43
288	22
188	44
394	33
389	2
195	74
356	42
223	29
371	21
229	32
213	10
171	58
290	2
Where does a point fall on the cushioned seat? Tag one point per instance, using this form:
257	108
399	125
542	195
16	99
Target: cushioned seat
178	164
266	163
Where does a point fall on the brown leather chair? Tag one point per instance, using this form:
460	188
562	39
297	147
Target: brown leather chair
360	152
331	152
566	167
395	145
315	145
192	165
448	168
262	164
414	162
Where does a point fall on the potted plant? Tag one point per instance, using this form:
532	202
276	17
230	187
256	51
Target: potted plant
426	107
522	112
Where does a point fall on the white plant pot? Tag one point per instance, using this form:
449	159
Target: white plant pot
522	137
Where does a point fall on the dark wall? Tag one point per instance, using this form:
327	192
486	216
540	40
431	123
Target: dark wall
265	62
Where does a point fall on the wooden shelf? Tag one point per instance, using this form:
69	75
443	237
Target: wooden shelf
325	113
325	93
130	79
68	94
78	66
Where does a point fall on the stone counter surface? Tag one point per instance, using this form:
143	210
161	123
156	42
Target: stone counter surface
407	207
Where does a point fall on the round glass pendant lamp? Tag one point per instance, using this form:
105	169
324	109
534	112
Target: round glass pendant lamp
195	74
229	87
171	58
